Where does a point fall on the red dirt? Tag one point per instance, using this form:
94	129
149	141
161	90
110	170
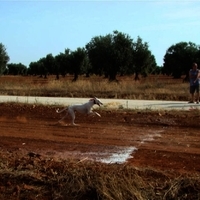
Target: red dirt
164	140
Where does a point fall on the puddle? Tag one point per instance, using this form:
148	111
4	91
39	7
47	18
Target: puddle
109	154
119	157
150	137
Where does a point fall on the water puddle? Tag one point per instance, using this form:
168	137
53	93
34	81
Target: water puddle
120	157
150	137
110	154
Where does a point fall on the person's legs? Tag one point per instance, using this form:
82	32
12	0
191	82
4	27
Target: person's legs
192	98
197	91
192	90
198	98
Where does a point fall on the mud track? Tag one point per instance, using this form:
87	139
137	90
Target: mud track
163	140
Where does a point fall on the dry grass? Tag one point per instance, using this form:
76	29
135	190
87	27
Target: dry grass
25	178
152	88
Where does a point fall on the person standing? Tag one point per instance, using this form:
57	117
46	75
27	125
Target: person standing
194	76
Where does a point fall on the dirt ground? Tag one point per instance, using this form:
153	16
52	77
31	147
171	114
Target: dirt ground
162	140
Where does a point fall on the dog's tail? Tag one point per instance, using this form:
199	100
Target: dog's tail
59	111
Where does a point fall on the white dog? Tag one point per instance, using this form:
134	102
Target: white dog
81	108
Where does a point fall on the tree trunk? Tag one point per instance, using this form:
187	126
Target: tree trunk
136	76
112	76
75	77
186	79
57	76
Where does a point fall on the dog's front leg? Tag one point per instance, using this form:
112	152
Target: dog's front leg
94	113
97	114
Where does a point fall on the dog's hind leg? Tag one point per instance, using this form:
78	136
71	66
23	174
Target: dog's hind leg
63	118
72	114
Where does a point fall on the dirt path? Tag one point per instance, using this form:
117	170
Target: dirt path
163	141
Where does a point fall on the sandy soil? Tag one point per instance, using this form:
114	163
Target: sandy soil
162	140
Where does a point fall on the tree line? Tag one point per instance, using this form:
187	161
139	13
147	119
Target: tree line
110	55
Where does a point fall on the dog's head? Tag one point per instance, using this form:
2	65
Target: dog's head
97	101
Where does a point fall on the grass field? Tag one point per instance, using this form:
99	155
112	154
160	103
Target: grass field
157	87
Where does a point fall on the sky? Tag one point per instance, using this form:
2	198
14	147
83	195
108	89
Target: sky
31	29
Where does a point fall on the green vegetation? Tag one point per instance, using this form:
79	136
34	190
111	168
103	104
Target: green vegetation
108	56
4	58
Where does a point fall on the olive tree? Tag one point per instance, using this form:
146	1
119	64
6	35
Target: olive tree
179	58
4	58
110	54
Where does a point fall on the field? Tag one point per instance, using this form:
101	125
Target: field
125	154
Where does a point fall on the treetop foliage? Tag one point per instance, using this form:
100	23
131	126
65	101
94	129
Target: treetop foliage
179	58
4	58
110	55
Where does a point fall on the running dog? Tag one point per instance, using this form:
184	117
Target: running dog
81	108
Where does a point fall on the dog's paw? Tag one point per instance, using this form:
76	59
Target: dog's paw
73	124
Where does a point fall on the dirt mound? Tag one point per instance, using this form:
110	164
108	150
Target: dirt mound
166	141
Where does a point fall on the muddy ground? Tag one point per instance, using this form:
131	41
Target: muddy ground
162	140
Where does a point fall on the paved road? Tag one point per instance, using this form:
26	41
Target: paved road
109	103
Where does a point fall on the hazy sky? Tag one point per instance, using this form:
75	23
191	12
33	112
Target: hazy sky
32	29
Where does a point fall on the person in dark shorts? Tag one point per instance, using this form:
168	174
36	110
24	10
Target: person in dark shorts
194	75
